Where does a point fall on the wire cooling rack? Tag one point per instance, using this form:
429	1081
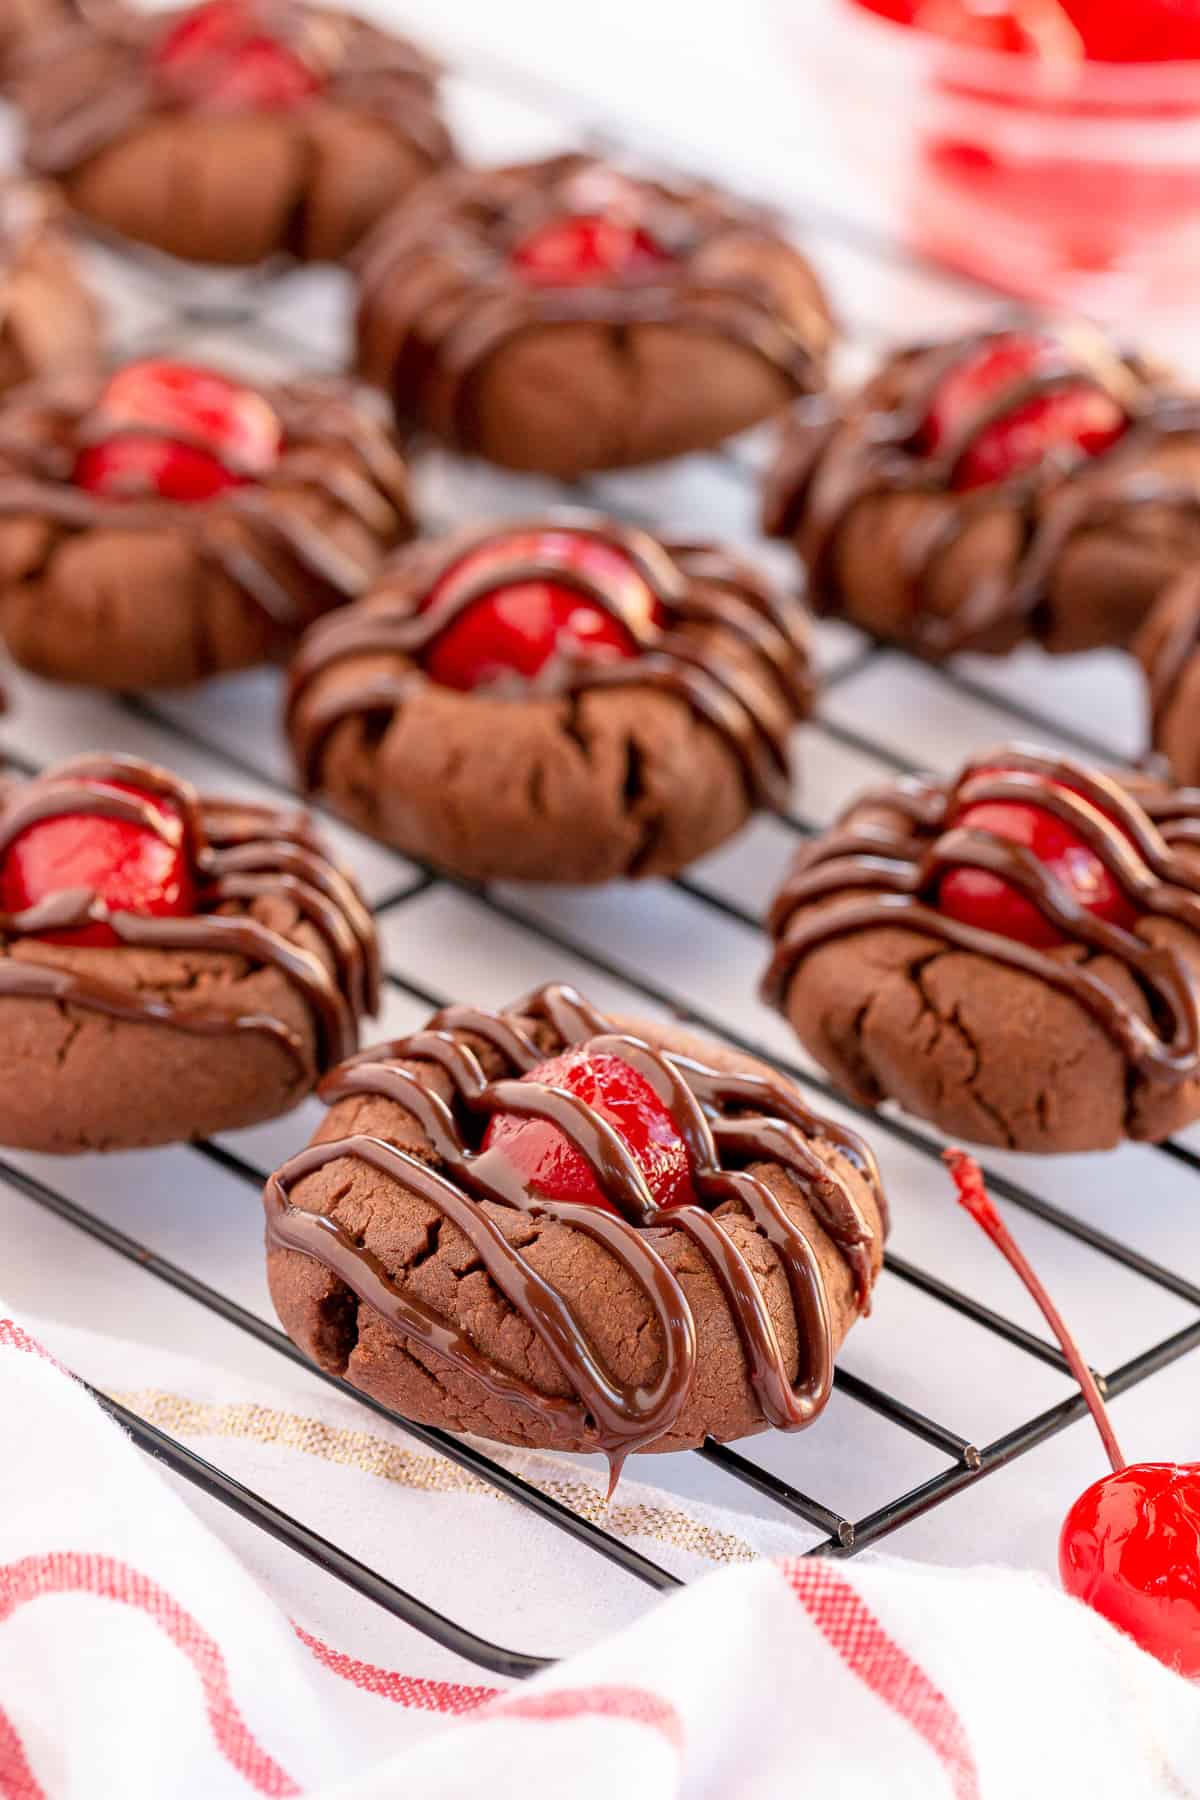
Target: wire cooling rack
691	948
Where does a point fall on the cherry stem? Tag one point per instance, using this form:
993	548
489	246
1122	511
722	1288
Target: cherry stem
973	1195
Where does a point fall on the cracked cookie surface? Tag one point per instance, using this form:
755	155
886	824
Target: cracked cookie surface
379	1239
1069	1044
582	772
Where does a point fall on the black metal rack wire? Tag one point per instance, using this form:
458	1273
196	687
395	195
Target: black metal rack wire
967	1462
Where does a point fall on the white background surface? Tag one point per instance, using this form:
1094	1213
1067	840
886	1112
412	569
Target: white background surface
704	86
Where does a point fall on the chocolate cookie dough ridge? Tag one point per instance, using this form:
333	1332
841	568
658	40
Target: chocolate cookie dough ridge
26	209
364	69
748	1117
693	583
471	220
1132	840
1167	645
239	852
315	416
829	463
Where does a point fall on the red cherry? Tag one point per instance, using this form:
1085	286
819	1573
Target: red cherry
202	435
1079	419
586	247
126	865
1130	1548
1039	28
976	897
218	56
518	627
1130	1545
550	1166
1150	31
901	11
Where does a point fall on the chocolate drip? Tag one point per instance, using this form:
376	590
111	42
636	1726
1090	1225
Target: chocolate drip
702	590
438	274
72	116
287	564
239	853
747	1119
865	875
828	465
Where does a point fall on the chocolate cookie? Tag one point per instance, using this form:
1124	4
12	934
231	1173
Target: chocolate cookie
24	22
48	318
563	316
235	130
575	1232
566	699
170	966
1168	647
1014	954
1006	485
170	523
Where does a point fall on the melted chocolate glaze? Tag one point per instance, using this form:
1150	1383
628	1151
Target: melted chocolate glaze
90	84
239	852
437	279
285	563
830	462
864	875
697	586
727	1122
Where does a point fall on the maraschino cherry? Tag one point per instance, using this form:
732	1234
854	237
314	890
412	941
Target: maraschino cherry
127	866
1150	31
977	897
1038	28
550	1167
1098	30
179	432
1130	1545
516	627
218	56
1069	423
585	247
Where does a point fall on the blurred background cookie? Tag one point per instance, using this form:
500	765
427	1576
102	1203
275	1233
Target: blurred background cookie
1018	482
564	316
232	131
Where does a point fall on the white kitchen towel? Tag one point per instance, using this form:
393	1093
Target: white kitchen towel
153	1647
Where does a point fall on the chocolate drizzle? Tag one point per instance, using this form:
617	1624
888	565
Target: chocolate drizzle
240	853
440	294
91	84
867	874
728	1122
703	592
830	462
284	556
